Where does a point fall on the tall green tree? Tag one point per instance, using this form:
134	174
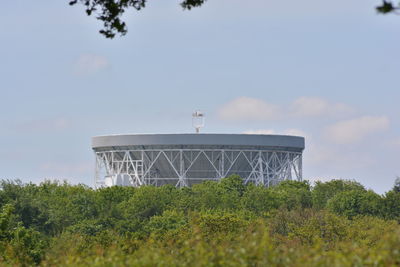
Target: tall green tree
323	191
355	202
391	202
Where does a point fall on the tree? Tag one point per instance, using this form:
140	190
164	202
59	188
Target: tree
391	205
391	202
396	187
356	202
233	184
322	192
170	220
259	199
148	201
111	11
293	194
224	194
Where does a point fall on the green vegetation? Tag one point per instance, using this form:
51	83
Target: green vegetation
336	223
110	12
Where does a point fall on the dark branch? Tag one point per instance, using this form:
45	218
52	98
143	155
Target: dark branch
387	7
111	11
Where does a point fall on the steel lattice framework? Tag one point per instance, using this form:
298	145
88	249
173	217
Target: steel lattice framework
184	167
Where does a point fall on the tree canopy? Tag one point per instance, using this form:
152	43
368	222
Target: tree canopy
111	11
224	223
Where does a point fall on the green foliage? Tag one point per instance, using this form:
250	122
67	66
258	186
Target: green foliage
259	199
294	194
322	192
323	228
396	187
391	205
355	202
19	245
224	195
208	195
110	12
213	224
27	245
233	184
225	223
6	220
169	221
387	7
148	201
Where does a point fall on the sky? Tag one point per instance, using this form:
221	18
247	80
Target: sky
326	70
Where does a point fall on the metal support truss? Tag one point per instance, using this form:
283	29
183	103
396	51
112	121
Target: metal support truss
184	167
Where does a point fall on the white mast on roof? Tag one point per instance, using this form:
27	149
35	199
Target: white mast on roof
198	118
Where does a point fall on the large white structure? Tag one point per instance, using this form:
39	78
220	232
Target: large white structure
186	159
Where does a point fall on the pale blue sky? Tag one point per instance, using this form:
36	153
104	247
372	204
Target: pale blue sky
326	69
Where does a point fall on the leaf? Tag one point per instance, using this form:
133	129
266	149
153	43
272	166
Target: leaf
385	8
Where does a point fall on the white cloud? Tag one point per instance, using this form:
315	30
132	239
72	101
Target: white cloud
354	130
395	142
56	124
66	169
247	108
317	107
324	161
295	132
90	63
264	131
72	172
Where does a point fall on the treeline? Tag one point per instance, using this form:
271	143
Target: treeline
226	223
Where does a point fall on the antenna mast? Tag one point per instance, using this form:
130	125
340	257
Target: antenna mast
198	118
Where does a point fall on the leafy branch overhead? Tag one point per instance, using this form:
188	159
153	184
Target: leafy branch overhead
387	7
111	11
